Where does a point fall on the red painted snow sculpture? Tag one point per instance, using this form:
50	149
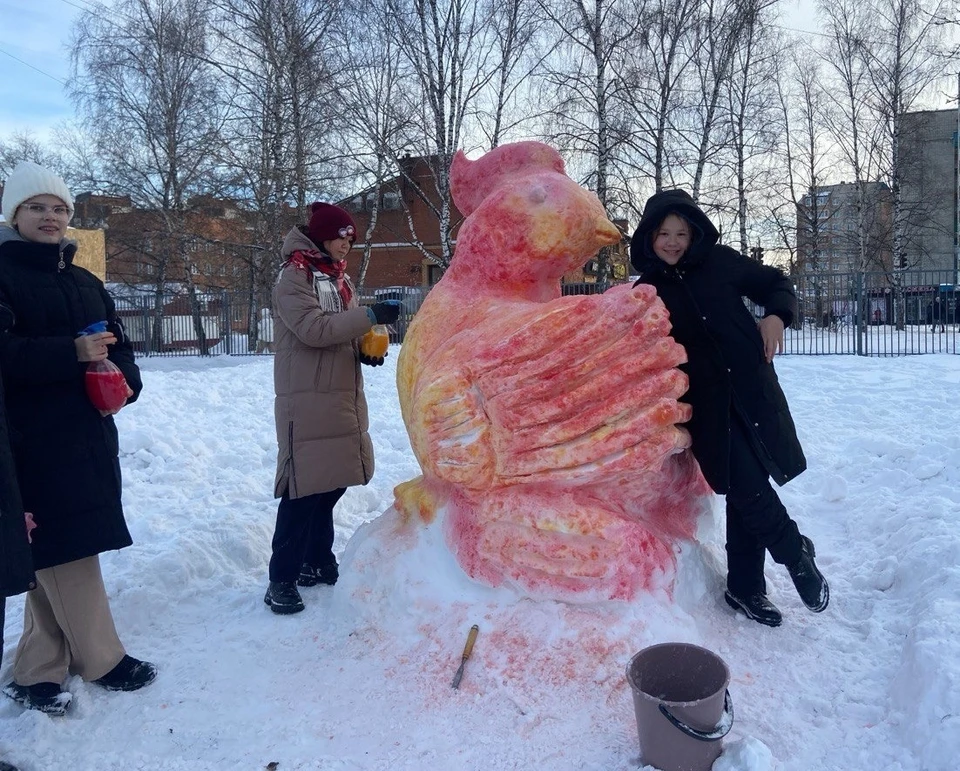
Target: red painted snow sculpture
546	426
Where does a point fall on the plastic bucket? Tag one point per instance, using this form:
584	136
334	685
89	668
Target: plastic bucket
682	703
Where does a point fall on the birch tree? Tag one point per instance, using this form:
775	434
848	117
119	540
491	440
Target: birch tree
278	90
855	127
751	99
446	46
377	118
593	37
664	52
516	31
717	35
24	146
801	218
145	95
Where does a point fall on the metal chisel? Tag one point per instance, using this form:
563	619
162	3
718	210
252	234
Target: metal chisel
467	650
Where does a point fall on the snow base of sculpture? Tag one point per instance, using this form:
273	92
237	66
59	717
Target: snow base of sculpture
404	600
407	568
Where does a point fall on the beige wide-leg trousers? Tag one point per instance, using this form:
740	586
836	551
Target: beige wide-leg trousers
67	626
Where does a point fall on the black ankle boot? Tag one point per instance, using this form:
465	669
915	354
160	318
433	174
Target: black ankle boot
129	675
811	585
283	597
308	576
328	574
755	606
43	697
311	576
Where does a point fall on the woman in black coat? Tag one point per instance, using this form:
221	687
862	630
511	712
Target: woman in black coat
741	427
66	450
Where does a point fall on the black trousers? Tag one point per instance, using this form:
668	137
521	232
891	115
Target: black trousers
757	520
304	534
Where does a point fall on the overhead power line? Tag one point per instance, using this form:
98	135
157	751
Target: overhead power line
37	69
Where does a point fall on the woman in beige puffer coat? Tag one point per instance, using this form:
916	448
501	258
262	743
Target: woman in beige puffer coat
320	408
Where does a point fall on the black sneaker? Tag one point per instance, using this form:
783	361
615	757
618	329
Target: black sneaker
308	576
311	576
129	675
811	585
48	698
755	606
4	766
283	597
328	574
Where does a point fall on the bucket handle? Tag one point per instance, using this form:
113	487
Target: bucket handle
722	729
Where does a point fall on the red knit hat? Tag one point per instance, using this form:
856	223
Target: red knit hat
329	222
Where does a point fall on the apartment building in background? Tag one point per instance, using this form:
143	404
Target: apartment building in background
828	227
928	148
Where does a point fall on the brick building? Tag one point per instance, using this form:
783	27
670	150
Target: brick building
395	259
827	217
216	239
213	242
404	217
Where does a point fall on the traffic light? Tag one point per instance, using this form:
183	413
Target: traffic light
757	253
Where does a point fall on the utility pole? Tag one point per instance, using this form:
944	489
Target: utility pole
956	220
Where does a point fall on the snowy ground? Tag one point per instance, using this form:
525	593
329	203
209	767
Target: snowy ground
361	679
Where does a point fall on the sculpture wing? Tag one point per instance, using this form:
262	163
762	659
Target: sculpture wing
570	390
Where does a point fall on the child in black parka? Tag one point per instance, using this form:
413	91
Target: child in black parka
741	426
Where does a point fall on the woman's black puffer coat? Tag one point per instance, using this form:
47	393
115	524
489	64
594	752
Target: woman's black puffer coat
66	453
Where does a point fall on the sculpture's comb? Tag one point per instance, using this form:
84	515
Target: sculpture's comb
472	181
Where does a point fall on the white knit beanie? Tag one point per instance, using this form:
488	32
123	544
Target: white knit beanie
27	180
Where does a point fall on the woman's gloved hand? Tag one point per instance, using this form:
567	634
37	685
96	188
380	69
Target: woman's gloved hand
371	361
386	312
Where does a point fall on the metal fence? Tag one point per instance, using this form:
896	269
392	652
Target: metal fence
875	314
221	322
867	314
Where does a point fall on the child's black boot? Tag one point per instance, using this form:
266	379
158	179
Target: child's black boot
48	698
811	585
755	606
283	597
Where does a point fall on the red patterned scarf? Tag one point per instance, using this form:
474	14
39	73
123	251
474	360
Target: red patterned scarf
309	260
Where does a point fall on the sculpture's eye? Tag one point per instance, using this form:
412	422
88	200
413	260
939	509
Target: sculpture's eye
537	195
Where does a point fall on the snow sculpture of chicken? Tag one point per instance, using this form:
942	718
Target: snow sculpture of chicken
545	426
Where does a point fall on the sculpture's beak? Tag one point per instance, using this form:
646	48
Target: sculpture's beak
607	232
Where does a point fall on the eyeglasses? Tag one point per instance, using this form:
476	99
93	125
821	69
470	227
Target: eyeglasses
41	209
347	232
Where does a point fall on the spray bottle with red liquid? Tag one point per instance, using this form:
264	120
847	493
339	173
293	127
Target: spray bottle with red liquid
106	386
